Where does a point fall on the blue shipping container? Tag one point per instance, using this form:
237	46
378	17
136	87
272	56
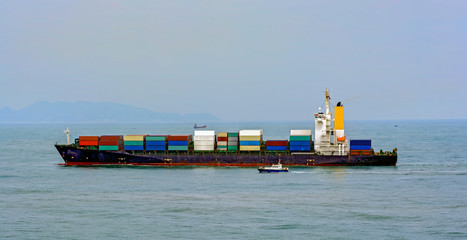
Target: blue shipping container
155	143
300	143
360	142
249	143
299	148
134	148
155	148
276	148
178	143
360	147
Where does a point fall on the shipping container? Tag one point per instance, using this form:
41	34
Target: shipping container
204	148
276	143
222	139
179	138
232	139
133	143
155	143
204	143
156	138
88	138
250	148
178	143
111	137
300	143
222	147
110	142
134	138
178	148
222	143
250	132
300	138
360	142
299	148
155	148
360	152
88	143
249	143
205	133
358	147
232	134
300	132
250	138
276	148
133	148
204	137
232	147
108	148
222	134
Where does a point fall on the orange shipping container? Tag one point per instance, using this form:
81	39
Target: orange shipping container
88	138
88	143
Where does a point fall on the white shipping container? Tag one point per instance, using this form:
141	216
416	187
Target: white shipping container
204	142
204	148
300	132
203	137
251	132
205	133
222	143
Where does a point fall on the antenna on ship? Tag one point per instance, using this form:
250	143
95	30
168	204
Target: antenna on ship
67	131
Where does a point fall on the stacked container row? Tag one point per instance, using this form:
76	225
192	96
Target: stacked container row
204	140
300	140
276	145
222	140
133	142
250	140
156	142
232	141
179	142
358	147
89	141
111	143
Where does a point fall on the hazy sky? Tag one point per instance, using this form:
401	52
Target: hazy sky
239	60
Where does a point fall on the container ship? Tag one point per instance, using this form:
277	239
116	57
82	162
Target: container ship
245	148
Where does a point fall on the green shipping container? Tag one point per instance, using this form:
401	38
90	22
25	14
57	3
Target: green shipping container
221	147
108	148
155	138
232	134
178	148
133	143
232	148
300	138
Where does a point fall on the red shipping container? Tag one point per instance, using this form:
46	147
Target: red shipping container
360	152
276	143
88	143
109	142
88	138
179	138
108	137
225	139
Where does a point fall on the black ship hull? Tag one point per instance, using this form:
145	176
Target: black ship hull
74	156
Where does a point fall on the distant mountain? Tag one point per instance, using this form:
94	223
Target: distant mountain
93	112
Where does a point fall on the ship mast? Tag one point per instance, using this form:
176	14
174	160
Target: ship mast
67	131
327	101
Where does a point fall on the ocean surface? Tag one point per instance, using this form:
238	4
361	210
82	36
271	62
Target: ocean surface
423	197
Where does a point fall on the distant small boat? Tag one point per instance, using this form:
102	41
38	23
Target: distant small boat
273	168
196	126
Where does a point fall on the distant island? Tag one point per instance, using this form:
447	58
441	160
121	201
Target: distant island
47	112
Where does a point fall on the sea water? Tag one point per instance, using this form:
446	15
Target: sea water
423	197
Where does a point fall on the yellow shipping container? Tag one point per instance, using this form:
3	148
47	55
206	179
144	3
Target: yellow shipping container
133	138
250	148
250	138
222	134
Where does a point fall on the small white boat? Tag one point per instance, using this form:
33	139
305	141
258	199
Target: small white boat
273	168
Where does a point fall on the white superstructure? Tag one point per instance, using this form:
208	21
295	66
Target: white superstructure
327	140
